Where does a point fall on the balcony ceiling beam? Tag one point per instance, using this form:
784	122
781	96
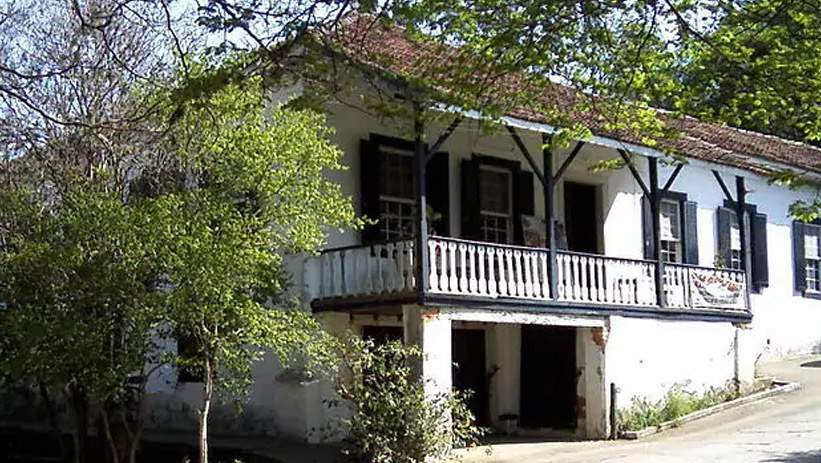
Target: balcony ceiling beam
523	148
443	137
636	175
723	186
568	161
671	180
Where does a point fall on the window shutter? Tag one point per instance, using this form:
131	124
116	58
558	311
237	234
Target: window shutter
725	218
437	179
370	171
758	240
523	203
799	264
690	212
471	214
647	227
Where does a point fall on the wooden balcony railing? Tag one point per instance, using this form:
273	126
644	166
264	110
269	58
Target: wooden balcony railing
500	272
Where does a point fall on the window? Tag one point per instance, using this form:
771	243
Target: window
188	351
397	206
811	235
670	212
496	204
735	244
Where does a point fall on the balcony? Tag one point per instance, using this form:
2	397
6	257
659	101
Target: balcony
462	272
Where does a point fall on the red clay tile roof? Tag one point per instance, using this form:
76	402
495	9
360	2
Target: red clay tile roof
370	42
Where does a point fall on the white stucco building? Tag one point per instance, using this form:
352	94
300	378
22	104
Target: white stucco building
651	282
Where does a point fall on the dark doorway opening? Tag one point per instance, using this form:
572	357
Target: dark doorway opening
470	372
581	203
383	334
548	377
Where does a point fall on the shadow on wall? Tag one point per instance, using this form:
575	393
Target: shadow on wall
813	456
812	364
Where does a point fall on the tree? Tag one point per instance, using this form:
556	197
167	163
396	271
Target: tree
759	70
77	278
255	192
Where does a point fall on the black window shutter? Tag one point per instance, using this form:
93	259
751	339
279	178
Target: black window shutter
690	212
758	240
523	203
725	218
471	212
437	179
799	264
647	226
370	160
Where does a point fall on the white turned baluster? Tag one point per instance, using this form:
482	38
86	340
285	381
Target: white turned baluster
399	262
601	293
512	276
482	281
545	275
534	269
443	267
379	280
454	280
624	284
525	283
577	289
355	286
433	276
491	273
504	273
520	276
325	276
473	285
562	276
463	268
410	265
389	268
583	265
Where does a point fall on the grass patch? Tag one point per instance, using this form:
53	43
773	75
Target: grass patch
676	403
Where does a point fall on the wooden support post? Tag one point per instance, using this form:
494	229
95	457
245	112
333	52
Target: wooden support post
420	163
550	227
655	209
744	233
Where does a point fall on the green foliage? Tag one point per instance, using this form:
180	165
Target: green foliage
677	403
392	418
78	283
256	192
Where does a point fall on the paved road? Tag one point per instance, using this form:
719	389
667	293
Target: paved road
786	428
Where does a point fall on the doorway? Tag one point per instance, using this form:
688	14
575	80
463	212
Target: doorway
548	377
470	372
581	206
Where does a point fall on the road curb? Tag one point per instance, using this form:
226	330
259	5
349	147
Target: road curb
781	387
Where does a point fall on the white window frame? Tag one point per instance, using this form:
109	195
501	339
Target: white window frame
672	247
387	220
812	257
495	215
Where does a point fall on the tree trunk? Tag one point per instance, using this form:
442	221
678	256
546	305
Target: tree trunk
208	381
79	404
52	419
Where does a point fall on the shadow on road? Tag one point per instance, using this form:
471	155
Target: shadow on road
813	456
813	364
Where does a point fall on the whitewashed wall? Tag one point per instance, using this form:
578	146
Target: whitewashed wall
644	357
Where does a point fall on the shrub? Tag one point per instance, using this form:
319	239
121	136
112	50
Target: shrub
392	419
677	403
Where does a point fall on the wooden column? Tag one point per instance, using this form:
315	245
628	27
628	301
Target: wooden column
420	162
744	233
549	207
655	209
